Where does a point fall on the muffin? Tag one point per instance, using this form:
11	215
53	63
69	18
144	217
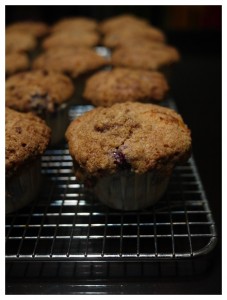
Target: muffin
26	139
145	57
108	87
75	24
121	37
78	63
16	62
127	152
71	39
44	93
20	42
122	21
35	28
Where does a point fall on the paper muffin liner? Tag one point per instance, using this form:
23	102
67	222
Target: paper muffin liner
131	191
23	187
58	122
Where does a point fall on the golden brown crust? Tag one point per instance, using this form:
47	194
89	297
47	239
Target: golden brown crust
78	23
119	22
19	42
120	85
71	61
35	28
125	35
71	39
140	137
150	58
36	90
16	62
26	138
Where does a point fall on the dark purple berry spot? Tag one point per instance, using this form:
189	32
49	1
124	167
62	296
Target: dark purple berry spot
40	103
120	160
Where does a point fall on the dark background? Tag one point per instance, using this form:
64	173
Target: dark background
196	88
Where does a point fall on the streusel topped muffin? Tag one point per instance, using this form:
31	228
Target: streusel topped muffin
150	58
71	61
141	137
44	93
126	153
37	91
107	87
26	139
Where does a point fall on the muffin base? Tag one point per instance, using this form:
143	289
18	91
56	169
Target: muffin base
130	191
23	187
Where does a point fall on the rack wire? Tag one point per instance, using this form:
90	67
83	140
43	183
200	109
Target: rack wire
67	222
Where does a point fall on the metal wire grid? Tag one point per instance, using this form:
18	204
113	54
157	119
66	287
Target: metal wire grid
67	222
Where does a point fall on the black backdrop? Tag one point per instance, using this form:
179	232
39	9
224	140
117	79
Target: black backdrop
196	87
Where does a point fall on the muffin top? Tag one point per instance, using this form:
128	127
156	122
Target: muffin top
75	23
121	37
35	28
71	38
134	136
122	21
26	138
37	91
71	61
150	58
19	42
120	85
15	62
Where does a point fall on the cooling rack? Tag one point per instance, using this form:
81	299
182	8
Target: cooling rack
68	223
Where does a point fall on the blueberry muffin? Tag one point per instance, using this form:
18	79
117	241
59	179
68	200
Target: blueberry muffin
20	42
71	61
127	152
107	87
78	63
46	94
75	24
71	39
16	62
123	36
35	28
149	58
120	22
26	139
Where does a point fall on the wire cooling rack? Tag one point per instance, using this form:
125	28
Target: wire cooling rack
67	222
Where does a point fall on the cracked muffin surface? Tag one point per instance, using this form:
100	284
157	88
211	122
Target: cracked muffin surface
133	136
38	91
121	84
